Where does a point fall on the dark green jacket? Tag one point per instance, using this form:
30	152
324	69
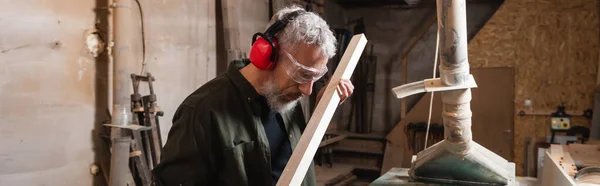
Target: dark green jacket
217	137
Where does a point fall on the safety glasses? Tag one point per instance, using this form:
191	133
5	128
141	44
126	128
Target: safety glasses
302	74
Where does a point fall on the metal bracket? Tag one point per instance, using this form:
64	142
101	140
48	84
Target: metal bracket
431	85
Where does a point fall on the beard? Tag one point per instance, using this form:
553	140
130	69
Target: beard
276	99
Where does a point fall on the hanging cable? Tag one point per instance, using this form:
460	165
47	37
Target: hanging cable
437	42
143	37
143	41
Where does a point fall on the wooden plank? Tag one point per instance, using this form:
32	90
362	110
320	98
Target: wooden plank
347	181
140	159
366	167
556	152
358	161
585	155
331	175
305	150
553	174
593	142
568	163
332	140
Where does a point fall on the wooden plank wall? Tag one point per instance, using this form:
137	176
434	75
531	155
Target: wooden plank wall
553	46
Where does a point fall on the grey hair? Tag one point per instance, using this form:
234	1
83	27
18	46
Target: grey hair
308	28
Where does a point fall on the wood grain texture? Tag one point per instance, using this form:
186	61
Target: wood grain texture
585	155
303	153
492	108
553	46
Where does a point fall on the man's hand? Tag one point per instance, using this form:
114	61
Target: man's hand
344	90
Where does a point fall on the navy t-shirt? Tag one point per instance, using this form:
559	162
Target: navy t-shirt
279	144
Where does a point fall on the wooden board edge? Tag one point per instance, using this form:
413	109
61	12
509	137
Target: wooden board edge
305	149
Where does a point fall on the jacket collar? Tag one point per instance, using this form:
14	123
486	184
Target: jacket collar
233	72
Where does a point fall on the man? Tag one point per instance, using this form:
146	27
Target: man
241	127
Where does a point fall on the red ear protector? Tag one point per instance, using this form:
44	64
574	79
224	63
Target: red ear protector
263	53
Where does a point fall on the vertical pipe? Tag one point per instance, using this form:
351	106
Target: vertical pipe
119	158
121	114
124	61
454	70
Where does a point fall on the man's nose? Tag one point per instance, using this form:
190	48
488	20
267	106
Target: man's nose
306	88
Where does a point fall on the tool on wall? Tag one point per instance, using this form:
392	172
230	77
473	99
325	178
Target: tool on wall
125	141
145	142
147	112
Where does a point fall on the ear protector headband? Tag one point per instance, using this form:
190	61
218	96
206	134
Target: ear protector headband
263	53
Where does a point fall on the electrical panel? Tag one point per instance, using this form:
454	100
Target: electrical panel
560	123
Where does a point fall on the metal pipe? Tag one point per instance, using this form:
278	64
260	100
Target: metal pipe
119	159
124	61
458	159
123	65
454	70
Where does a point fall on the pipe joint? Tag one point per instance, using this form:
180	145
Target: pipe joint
455	74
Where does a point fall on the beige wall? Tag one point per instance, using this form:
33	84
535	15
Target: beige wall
53	93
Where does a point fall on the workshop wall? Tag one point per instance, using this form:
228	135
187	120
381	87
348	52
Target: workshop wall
553	46
237	21
54	94
391	30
